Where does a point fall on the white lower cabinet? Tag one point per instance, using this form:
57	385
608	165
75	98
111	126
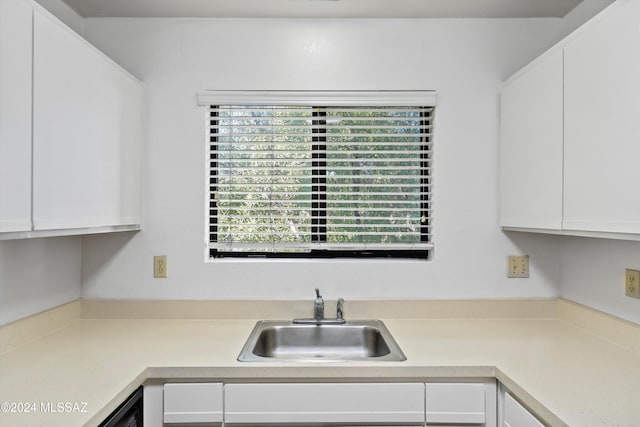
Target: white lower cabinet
321	404
193	404
454	404
326	403
516	415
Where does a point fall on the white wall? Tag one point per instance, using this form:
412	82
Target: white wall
38	274
593	274
464	60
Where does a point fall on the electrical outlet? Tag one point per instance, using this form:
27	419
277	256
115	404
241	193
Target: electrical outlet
160	267
518	266
632	283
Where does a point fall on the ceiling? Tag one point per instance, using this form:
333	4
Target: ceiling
324	8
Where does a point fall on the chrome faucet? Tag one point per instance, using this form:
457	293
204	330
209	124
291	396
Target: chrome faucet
318	306
318	313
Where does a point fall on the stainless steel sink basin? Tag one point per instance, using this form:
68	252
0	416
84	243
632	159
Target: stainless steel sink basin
367	340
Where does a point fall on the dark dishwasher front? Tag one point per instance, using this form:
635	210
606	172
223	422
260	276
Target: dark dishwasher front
128	414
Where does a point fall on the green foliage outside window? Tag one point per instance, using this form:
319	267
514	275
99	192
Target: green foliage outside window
356	174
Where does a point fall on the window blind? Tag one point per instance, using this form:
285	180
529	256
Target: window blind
309	179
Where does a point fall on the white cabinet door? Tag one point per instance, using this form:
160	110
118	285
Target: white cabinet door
602	111
15	116
454	404
515	415
393	403
531	146
192	403
86	133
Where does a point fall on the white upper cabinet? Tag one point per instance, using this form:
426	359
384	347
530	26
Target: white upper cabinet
86	133
602	122
71	131
531	146
15	116
570	143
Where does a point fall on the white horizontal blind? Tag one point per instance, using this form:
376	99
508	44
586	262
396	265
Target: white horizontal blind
299	179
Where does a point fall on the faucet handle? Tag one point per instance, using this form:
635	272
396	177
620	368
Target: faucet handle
340	309
318	293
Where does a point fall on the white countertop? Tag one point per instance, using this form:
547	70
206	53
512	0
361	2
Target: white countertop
565	374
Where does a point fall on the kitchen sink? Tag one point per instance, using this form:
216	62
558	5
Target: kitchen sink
363	340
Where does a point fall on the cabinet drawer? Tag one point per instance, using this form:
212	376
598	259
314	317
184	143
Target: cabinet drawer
455	403
515	415
193	403
324	403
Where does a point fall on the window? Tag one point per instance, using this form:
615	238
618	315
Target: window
294	174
